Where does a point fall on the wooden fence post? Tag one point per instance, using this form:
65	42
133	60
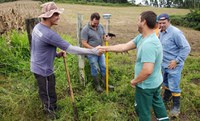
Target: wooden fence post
81	58
30	23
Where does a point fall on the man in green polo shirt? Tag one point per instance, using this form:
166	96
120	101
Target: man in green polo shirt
148	76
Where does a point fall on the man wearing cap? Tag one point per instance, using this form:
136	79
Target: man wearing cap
43	52
175	51
92	36
148	76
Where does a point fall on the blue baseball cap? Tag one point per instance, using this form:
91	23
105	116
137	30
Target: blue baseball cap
163	16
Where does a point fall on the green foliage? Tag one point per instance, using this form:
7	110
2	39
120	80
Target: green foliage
191	20
14	46
1	1
194	4
19	98
190	87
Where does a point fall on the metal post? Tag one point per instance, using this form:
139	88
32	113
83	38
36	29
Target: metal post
107	18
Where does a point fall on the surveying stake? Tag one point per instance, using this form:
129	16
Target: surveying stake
107	18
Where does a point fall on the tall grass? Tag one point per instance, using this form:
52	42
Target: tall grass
14	53
19	98
190	20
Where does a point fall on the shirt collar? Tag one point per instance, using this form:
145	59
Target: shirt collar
168	28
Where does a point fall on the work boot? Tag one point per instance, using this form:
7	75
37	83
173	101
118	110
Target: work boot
175	111
103	80
97	85
167	96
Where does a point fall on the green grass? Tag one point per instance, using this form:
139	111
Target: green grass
19	98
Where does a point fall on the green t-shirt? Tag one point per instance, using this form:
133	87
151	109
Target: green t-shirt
149	49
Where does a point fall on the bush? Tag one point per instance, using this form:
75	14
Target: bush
191	20
14	53
2	1
176	20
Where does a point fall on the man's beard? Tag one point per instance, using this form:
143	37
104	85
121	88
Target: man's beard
93	26
140	29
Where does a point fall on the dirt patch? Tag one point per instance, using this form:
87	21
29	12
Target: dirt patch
13	14
196	81
2	77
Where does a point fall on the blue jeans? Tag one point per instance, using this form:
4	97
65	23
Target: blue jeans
172	78
96	63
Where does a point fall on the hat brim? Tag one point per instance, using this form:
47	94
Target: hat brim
50	13
163	18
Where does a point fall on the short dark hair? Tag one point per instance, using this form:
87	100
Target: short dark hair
150	18
95	15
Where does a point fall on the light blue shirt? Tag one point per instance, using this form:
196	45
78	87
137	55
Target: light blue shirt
175	46
149	49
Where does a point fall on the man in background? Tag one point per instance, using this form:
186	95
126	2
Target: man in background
175	51
93	35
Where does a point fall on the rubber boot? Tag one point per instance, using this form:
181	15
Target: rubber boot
175	111
97	84
167	96
103	80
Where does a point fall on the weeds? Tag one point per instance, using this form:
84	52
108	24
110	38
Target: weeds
19	98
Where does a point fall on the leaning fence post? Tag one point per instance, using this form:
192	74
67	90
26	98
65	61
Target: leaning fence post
30	23
81	58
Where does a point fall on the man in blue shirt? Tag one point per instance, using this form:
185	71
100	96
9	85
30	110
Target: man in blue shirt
148	76
175	51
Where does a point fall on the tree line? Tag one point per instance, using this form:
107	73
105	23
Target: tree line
194	4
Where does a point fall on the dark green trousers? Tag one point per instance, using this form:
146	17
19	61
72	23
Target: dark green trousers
145	99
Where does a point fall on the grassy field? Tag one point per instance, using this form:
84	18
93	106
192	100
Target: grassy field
18	91
122	22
